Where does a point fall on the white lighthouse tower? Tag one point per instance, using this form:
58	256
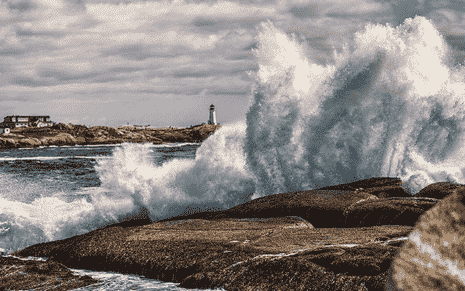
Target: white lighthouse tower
212	119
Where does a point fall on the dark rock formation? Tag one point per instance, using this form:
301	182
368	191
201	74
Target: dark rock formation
311	205
387	211
438	190
17	274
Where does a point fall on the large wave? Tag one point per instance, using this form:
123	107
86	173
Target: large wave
389	105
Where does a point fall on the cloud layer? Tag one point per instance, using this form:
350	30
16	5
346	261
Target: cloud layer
164	62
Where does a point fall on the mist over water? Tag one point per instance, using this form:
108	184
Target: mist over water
390	105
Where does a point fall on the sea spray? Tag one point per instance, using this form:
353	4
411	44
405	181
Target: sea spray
390	105
217	179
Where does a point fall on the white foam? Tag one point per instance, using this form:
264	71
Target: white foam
389	106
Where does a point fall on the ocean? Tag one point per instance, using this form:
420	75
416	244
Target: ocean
390	105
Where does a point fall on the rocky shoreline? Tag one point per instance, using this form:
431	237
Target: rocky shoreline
70	135
288	241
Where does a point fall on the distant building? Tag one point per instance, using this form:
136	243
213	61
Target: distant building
5	130
212	119
26	121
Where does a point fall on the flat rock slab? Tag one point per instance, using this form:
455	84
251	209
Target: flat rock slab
234	253
16	274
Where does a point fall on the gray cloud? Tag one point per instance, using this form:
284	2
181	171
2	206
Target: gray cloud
43	33
404	9
141	52
30	82
456	41
303	12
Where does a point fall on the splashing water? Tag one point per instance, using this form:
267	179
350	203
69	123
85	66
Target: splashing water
218	178
390	106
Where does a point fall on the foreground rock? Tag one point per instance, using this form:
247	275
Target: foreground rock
69	134
17	274
287	241
433	258
235	254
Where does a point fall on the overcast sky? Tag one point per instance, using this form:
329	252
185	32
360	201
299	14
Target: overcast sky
163	63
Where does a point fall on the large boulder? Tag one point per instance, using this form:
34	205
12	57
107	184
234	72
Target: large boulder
315	206
387	211
62	139
433	257
29	142
438	190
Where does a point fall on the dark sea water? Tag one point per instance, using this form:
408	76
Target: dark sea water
390	105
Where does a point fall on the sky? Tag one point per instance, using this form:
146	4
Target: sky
162	63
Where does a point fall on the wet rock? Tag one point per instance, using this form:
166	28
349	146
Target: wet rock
34	275
388	191
433	257
366	184
438	190
392	211
235	254
313	206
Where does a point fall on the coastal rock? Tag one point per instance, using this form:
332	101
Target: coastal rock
71	134
19	274
438	190
433	257
62	139
387	211
29	142
80	140
8	143
323	268
235	254
313	206
366	184
388	191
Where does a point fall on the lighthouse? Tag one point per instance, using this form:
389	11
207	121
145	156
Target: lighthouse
212	119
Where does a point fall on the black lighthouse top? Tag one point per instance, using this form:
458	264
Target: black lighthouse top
212	107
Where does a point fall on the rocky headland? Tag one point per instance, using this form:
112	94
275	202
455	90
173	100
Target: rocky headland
343	237
68	134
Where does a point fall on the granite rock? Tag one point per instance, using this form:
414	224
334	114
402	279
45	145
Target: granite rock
438	190
433	257
387	211
283	253
17	274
